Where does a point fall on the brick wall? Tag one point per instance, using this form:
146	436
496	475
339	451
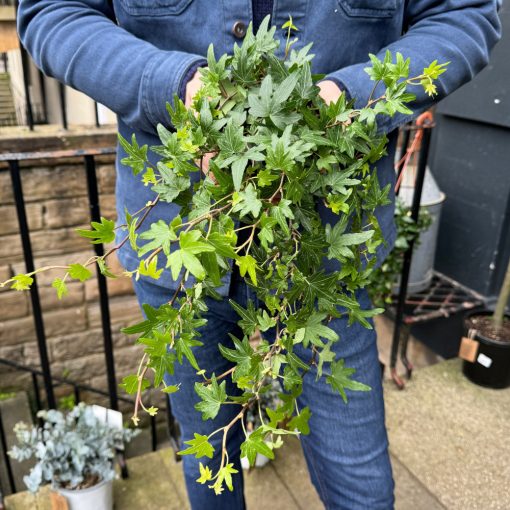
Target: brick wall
57	204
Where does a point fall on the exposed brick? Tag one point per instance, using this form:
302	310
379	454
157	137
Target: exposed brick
62	322
31	356
58	322
14	379
44	242
107	206
80	369
116	287
9	223
53	242
106	178
13	304
123	311
50	301
66	212
121	340
6	195
10	249
54	182
5	274
13	353
76	345
17	331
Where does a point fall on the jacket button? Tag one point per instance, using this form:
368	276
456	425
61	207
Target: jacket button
239	29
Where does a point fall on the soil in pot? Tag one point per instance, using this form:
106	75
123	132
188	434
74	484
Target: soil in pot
485	326
489	361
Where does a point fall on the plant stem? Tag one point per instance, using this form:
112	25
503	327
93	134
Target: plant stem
504	294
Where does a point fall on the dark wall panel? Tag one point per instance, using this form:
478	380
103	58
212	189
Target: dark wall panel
470	158
471	163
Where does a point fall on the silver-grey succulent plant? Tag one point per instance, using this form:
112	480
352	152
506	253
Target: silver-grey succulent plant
73	449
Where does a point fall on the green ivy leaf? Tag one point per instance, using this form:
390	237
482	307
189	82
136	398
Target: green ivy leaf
161	234
253	444
248	202
300	421
247	264
191	244
79	272
199	447
136	155
102	232
340	379
22	282
60	286
212	396
130	384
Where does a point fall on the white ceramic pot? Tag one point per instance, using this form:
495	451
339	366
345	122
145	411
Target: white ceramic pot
98	497
260	461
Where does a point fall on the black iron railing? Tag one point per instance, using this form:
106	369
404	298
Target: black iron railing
44	373
37	113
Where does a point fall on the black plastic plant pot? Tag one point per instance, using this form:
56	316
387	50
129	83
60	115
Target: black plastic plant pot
490	364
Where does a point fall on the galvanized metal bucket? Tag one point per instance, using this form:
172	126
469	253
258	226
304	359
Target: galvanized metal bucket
432	199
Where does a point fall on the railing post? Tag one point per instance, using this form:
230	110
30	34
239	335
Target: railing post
404	277
63	104
34	292
90	167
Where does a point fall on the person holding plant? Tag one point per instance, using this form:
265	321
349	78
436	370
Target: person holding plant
134	55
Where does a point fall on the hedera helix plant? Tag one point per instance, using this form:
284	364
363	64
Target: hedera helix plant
385	278
277	151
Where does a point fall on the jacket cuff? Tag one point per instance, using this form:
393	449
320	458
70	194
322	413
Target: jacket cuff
357	83
164	76
360	87
187	77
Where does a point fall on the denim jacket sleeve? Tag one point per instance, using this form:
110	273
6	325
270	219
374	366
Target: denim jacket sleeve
78	43
461	32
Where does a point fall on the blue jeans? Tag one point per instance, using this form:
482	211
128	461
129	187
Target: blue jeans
347	448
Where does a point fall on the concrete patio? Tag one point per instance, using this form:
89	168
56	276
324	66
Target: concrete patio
448	441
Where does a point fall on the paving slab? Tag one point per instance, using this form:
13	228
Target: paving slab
452	436
448	444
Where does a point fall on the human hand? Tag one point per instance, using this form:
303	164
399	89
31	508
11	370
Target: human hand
330	91
191	89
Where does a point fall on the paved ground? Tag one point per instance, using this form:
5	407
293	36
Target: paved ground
448	441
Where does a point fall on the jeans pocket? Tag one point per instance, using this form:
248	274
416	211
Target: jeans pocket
150	8
369	8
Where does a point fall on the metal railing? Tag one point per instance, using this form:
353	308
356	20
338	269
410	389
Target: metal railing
44	373
36	113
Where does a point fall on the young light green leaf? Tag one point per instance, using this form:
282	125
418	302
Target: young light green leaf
199	447
79	272
60	286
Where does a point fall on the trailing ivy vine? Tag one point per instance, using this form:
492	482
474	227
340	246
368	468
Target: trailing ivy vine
277	151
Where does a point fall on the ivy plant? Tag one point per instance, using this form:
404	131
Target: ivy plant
385	278
275	151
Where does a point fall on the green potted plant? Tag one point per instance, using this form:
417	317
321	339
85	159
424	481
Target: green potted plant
486	347
75	453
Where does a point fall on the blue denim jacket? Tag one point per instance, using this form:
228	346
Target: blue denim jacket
135	58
